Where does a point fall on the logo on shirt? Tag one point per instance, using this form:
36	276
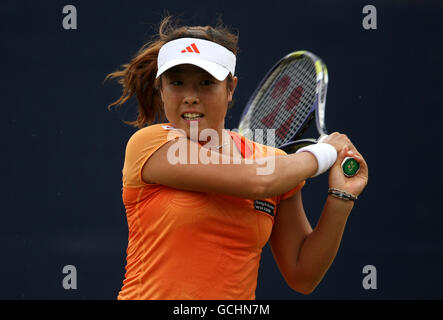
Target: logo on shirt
264	206
168	127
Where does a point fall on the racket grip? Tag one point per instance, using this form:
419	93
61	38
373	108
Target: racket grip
350	167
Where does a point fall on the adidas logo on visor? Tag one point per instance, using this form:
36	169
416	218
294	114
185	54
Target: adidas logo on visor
192	48
205	54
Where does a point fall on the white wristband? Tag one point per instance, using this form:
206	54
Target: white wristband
325	154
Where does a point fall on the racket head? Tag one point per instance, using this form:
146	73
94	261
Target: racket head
286	100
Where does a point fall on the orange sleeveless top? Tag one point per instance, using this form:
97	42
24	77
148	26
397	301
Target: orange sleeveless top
191	245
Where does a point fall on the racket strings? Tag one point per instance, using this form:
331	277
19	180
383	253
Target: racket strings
283	104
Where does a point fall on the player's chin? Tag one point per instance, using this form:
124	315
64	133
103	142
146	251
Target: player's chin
193	126
194	122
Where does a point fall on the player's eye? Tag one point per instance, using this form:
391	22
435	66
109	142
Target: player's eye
206	82
176	82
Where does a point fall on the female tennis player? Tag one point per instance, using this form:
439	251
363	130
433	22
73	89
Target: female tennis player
197	228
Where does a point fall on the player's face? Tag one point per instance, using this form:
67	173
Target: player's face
190	94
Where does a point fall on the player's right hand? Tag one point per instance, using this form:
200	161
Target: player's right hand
339	141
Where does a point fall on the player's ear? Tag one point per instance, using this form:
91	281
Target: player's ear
231	84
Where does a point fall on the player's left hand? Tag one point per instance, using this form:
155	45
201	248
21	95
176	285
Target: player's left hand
338	180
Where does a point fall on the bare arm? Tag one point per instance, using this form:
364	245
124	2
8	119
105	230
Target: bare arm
227	177
302	254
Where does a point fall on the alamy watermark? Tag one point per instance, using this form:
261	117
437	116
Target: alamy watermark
370	19
370	280
178	151
70	20
70	280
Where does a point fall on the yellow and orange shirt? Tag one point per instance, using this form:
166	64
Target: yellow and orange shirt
191	245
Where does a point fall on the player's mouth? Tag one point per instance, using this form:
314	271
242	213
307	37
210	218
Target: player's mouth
192	116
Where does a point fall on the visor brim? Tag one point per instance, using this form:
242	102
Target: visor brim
218	72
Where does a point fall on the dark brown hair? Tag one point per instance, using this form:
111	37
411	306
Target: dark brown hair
138	76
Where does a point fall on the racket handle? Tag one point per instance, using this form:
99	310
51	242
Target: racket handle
350	167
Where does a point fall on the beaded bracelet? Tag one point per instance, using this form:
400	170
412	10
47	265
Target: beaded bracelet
341	194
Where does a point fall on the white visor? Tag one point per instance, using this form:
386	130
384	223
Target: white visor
208	55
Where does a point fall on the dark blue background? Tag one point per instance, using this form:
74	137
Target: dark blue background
63	151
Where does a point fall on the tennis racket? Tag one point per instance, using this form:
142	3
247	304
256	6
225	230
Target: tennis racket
289	97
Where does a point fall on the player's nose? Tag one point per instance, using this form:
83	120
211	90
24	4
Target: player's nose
191	99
